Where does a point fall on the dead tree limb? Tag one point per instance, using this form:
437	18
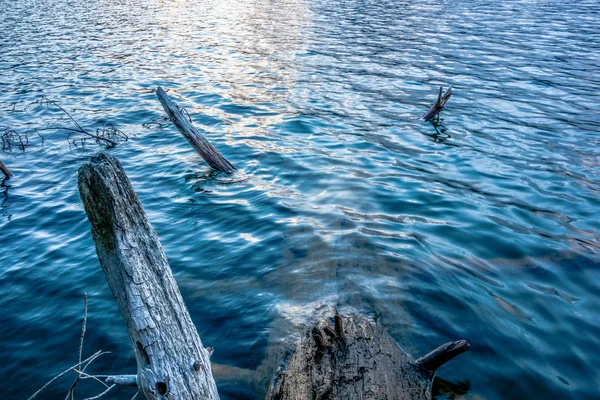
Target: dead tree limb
126	380
438	105
440	356
164	339
183	123
5	171
361	361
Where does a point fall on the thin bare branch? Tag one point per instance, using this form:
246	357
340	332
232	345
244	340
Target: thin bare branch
103	135
101	394
87	360
83	327
10	137
88	376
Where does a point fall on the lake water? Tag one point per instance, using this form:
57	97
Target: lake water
483	226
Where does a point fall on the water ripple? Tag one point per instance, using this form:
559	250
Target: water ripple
480	226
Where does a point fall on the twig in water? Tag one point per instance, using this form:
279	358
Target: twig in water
88	376
158	122
101	394
83	328
87	360
81	366
10	137
108	135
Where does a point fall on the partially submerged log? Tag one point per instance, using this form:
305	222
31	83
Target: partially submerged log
5	171
355	358
438	105
171	361
192	135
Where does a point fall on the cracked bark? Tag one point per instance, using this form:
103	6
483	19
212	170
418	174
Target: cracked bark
357	360
171	361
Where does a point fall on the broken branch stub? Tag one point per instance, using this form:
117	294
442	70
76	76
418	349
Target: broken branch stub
164	338
192	135
5	171
440	356
438	106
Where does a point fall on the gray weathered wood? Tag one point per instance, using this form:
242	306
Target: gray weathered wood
438	105
5	171
355	358
192	135
171	361
125	380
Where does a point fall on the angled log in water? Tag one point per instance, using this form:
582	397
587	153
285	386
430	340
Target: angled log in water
5	171
438	105
357	359
171	361
192	135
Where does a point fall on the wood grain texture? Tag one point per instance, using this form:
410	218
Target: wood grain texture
363	362
164	338
192	135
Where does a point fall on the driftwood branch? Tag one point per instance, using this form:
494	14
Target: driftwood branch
163	336
440	356
356	359
182	122
438	105
5	171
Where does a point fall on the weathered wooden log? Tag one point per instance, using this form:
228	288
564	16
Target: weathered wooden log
5	171
192	135
357	360
171	361
438	105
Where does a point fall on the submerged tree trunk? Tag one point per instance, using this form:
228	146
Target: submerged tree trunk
5	171
192	135
171	361
355	358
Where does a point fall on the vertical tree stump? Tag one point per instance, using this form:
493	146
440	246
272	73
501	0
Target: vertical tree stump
171	361
192	135
357	359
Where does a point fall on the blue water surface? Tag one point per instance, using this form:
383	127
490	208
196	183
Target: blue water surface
482	226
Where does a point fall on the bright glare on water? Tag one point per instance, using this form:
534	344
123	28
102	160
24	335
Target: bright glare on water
483	226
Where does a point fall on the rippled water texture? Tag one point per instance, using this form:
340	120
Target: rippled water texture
483	226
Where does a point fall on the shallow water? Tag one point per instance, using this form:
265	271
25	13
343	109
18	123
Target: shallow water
483	227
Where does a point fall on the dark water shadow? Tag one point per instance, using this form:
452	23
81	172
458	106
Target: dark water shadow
443	389
441	134
4	192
